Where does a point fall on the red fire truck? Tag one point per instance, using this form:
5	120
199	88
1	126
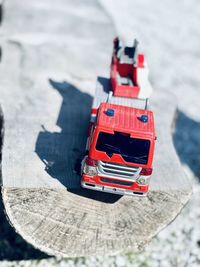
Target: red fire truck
121	138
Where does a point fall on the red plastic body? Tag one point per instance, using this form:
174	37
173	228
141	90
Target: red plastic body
96	180
126	121
124	70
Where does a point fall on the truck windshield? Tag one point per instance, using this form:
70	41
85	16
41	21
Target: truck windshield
131	149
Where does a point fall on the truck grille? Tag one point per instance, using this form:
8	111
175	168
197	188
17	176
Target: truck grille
116	170
115	181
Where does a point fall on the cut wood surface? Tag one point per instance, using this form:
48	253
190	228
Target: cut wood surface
47	74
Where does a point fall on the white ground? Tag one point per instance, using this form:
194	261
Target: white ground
169	34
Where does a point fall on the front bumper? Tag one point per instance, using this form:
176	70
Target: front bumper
95	183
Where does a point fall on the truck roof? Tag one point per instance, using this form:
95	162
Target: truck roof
126	119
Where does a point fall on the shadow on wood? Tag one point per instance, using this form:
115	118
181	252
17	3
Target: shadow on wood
62	152
1	141
187	132
1	12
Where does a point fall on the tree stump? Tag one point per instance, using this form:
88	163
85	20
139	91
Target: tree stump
47	78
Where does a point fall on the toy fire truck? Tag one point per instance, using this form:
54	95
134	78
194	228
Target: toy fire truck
121	138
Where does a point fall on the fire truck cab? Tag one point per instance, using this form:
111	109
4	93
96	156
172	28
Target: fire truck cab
120	150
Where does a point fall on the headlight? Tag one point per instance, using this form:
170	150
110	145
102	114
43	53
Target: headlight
89	170
89	166
143	180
